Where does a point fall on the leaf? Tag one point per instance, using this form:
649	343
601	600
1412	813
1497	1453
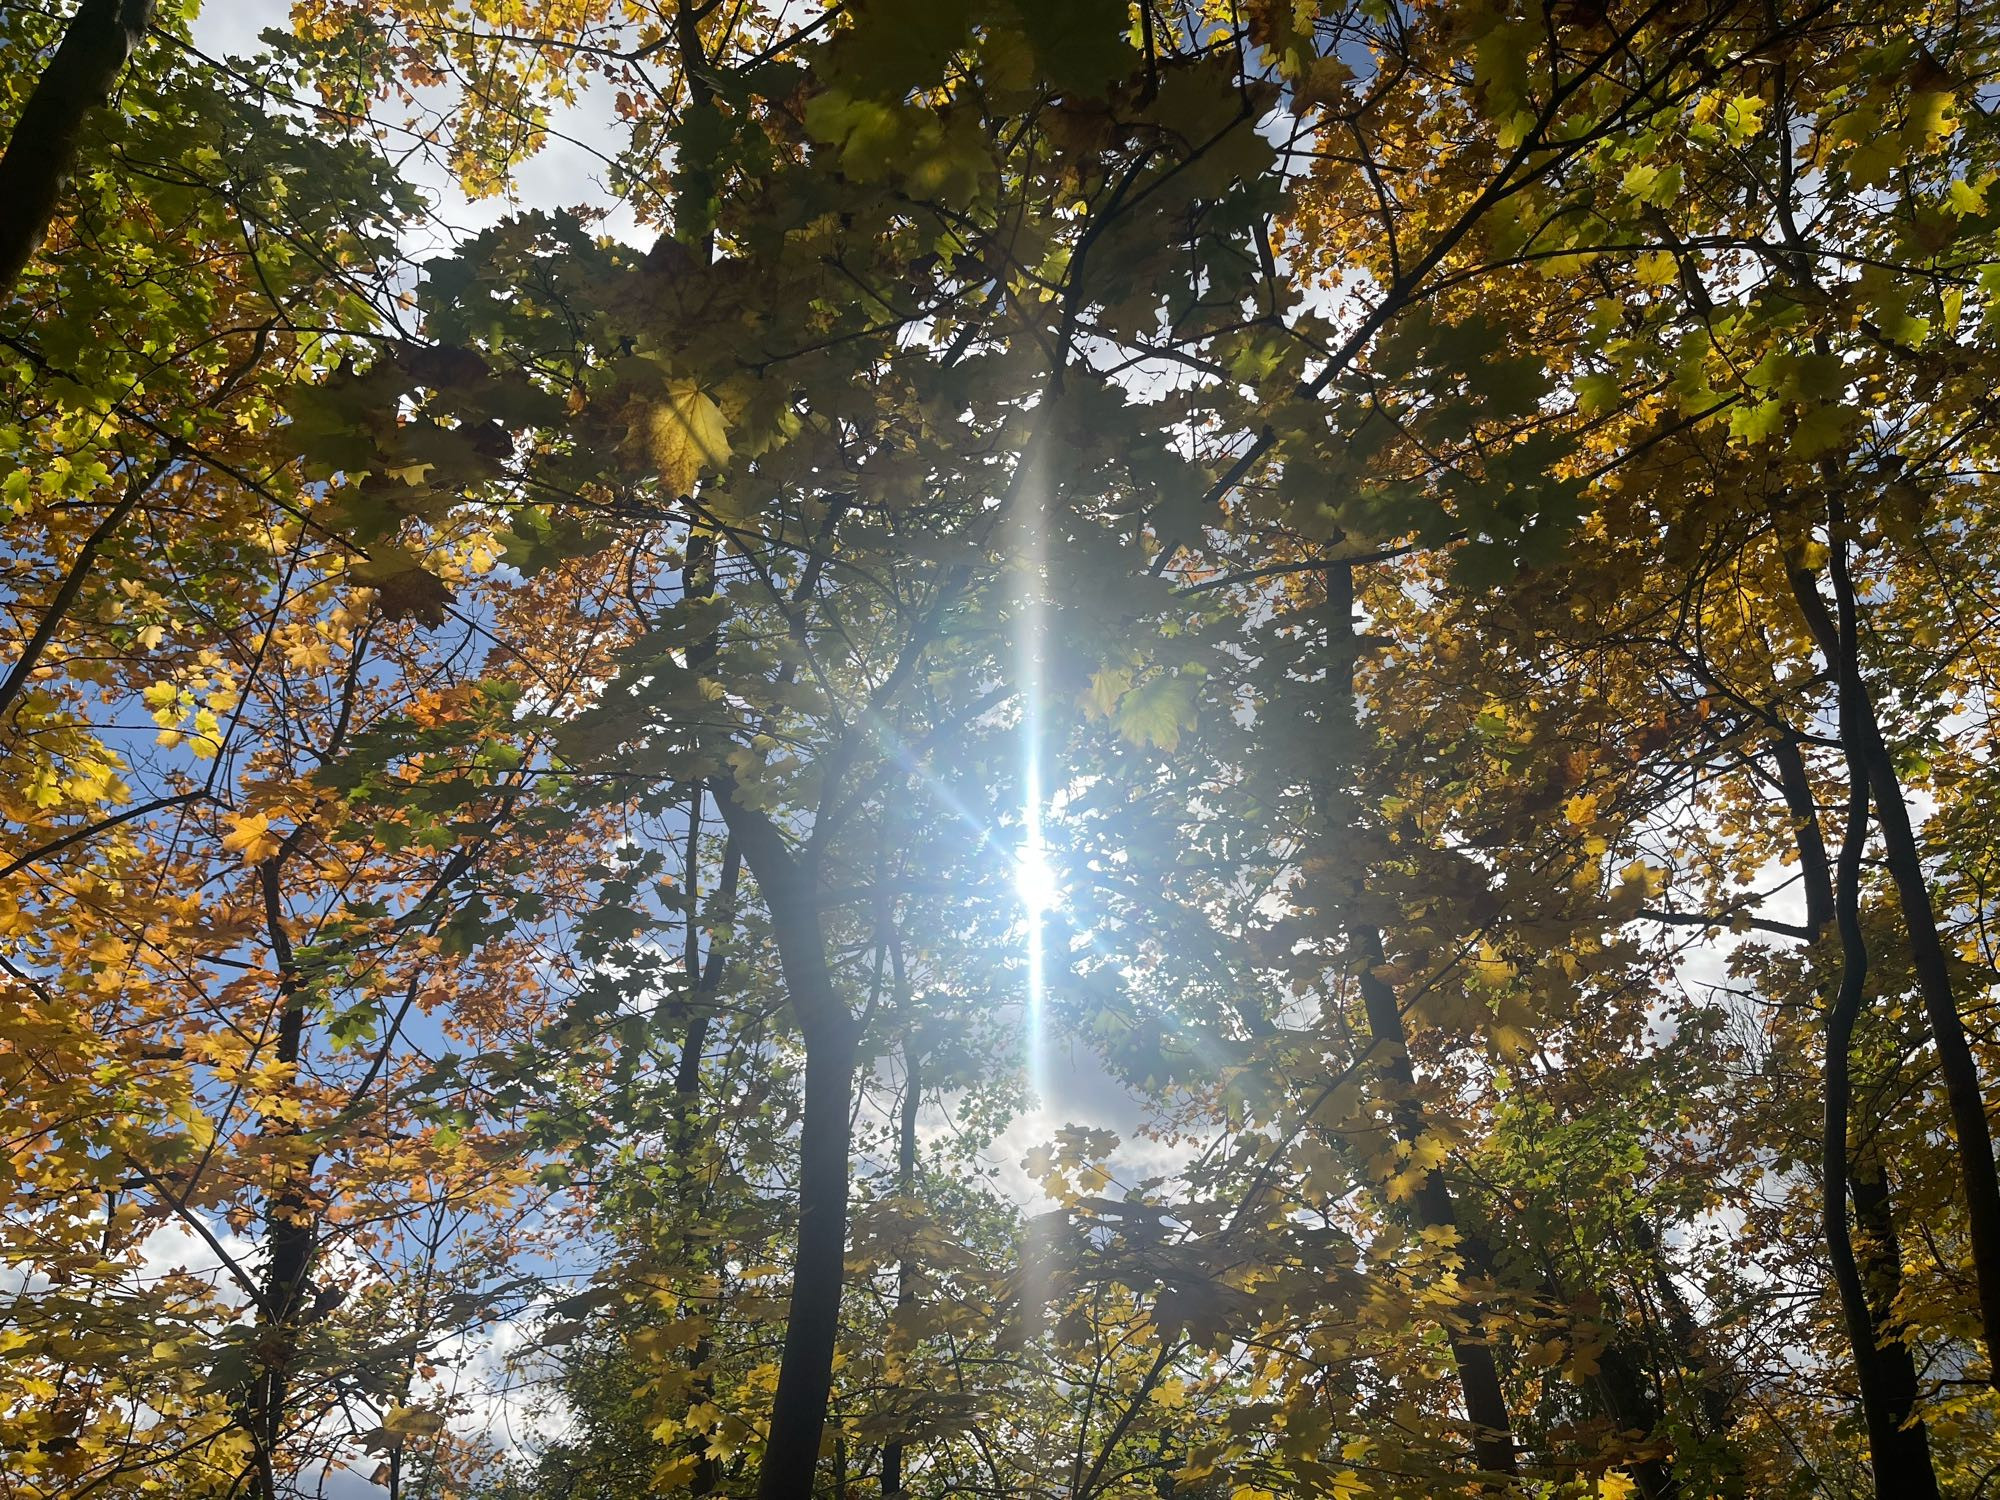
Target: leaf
685	434
414	594
1155	712
1080	45
250	835
1756	421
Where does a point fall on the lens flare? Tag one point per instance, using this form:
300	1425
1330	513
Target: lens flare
1035	880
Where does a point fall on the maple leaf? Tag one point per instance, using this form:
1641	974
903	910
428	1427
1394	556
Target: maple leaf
414	594
685	434
1155	712
250	835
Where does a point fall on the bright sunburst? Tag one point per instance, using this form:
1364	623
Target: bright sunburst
1035	879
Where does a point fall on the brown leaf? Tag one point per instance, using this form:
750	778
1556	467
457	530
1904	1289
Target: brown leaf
414	594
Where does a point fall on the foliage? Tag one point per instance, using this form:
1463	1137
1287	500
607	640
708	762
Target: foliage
1456	531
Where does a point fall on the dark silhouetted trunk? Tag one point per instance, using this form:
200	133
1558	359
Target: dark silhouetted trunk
1878	1254
42	148
1898	1450
1716	1392
290	1223
706	977
805	1374
1466	1333
1871	762
805	1369
1899	1455
1899	1446
1815	870
1873	765
1471	1351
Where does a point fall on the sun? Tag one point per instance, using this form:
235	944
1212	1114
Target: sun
1035	880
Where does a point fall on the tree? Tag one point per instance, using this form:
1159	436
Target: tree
1410	580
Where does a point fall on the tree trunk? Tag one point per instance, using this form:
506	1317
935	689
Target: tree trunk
290	1224
1471	1351
906	1179
1869	757
805	1374
1900	1457
1815	870
705	982
1716	1393
1865	1276
1879	1256
1466	1334
42	149
805	1369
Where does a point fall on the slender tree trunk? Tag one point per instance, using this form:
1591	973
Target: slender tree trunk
290	1223
1471	1349
1629	1403
906	1180
805	1374
42	149
1869	757
1815	869
1900	1457
706	983
1871	762
1899	1445
805	1369
1878	1254
1466	1334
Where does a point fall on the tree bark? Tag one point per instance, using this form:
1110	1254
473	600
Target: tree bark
906	1179
1815	869
1899	1455
1716	1392
805	1369
1868	753
1471	1349
1630	1404
805	1373
290	1223
42	149
1867	1275
705	983
1879	1257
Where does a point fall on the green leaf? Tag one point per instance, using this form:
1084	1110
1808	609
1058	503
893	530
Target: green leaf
1155	712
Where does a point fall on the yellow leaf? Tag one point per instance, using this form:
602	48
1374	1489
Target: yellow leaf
687	434
250	835
1429	1150
412	1421
1402	1186
1656	268
207	735
676	1471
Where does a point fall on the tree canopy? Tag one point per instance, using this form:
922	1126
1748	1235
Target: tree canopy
1085	749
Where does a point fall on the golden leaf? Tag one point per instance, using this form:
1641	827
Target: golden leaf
686	434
